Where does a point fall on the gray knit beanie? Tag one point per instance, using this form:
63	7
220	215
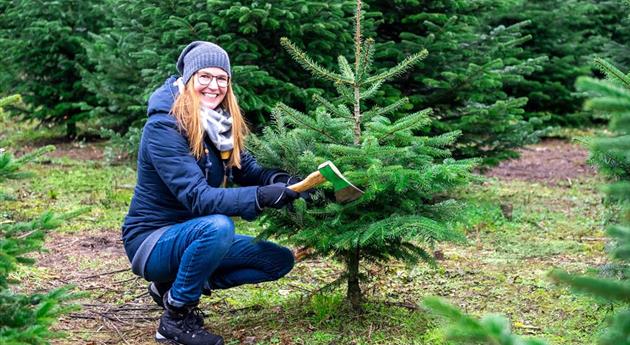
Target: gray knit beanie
199	55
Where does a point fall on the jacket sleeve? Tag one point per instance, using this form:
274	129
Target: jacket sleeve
169	153
251	173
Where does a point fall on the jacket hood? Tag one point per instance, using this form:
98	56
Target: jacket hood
161	101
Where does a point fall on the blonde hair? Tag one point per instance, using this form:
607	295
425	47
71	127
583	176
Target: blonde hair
186	111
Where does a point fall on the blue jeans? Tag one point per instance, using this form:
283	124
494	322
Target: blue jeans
205	251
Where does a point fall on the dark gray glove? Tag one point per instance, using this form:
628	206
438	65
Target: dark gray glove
275	195
291	180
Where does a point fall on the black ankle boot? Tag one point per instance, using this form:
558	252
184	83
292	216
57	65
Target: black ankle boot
157	291
181	325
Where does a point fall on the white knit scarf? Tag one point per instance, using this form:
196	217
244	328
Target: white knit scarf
216	122
218	125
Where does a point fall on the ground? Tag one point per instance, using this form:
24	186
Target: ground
526	217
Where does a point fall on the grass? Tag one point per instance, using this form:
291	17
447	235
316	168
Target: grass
501	269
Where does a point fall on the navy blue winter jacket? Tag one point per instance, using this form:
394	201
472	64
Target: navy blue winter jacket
174	187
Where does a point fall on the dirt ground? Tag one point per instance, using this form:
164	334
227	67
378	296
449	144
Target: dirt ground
550	162
72	258
74	150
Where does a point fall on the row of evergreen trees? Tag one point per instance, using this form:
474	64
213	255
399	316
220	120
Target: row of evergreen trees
75	61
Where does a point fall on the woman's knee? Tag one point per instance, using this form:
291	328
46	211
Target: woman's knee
218	228
285	261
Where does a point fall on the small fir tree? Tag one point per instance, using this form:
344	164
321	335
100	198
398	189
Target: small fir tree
26	318
405	176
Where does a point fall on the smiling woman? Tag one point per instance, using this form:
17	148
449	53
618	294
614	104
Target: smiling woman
178	233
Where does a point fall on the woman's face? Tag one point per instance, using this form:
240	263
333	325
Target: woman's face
211	85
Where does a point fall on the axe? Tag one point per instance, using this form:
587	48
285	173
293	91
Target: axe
344	191
327	171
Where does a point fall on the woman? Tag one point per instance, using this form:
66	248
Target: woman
178	233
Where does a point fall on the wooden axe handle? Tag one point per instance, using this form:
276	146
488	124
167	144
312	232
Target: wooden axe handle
312	180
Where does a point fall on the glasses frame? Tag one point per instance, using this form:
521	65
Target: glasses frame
215	78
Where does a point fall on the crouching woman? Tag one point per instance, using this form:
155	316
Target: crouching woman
178	233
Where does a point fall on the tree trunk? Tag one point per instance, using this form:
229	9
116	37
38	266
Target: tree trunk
354	294
71	130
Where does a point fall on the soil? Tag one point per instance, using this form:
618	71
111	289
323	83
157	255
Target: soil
78	150
72	258
549	162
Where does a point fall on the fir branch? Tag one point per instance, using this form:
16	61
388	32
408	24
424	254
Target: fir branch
609	104
609	289
366	60
399	69
341	110
444	139
615	97
378	111
10	100
9	166
345	92
278	121
310	65
303	120
410	122
408	227
372	90
345	68
465	329
612	72
517	41
29	157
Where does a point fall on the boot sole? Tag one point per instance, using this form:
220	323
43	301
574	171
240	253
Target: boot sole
163	340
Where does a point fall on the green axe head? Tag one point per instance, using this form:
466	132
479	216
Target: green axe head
344	190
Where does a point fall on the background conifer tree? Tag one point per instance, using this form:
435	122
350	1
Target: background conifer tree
405	176
466	76
26	318
139	50
571	33
42	55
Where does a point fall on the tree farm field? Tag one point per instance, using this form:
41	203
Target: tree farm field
521	219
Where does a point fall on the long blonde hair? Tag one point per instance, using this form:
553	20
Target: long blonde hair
186	111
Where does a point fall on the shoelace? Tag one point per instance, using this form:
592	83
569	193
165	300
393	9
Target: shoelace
194	320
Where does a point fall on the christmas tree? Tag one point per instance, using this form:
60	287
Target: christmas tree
405	177
26	318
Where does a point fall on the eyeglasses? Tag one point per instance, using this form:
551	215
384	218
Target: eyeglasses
206	79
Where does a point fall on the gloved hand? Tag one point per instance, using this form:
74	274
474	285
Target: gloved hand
285	178
291	180
275	195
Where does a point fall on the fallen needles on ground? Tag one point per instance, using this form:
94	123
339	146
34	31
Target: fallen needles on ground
104	274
